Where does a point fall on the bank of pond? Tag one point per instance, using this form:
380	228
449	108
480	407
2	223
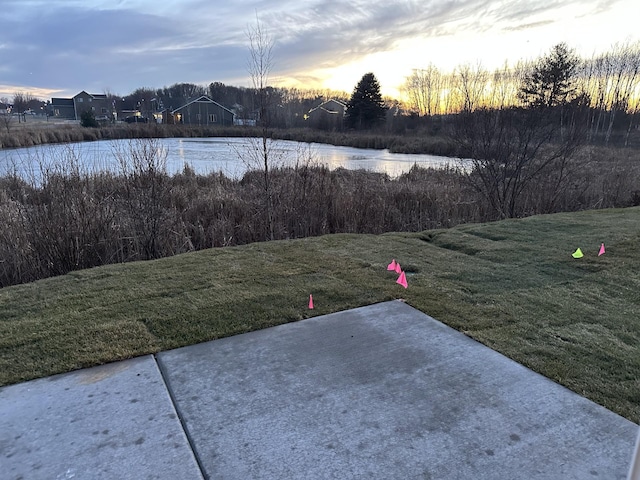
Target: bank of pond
231	156
46	133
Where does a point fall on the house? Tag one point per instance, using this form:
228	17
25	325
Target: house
243	116
329	115
72	108
98	103
5	109
201	111
62	108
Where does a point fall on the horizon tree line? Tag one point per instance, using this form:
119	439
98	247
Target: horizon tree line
609	84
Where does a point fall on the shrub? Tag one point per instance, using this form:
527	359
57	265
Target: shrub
88	119
70	218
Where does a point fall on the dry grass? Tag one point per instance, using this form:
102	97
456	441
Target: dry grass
39	131
70	218
512	285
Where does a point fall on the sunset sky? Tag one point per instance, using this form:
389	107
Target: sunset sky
60	47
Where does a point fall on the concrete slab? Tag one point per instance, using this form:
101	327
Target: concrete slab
113	421
384	392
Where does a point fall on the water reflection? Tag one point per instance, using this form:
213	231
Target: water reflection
231	156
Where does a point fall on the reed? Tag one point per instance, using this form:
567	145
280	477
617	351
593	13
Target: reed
72	218
417	142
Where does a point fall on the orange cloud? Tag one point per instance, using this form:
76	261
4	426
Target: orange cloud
42	93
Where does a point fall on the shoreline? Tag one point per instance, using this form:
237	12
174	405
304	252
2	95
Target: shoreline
418	143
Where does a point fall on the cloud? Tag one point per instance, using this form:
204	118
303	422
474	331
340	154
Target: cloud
75	49
9	91
328	33
121	45
527	26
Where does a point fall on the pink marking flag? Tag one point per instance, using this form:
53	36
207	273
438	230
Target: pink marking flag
310	302
392	266
601	252
402	280
398	269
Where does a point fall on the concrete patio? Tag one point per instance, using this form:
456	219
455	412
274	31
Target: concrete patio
382	391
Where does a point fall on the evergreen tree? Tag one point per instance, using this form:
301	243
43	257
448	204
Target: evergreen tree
551	82
365	109
88	119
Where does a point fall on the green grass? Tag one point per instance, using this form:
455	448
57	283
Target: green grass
512	285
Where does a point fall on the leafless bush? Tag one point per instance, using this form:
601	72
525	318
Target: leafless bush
145	183
65	217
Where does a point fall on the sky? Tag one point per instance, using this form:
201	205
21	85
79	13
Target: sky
57	48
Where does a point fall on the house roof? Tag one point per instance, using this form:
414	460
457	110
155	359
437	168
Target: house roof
324	108
62	102
92	95
202	99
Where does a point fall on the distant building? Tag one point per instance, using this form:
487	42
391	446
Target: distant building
242	117
73	108
99	104
329	115
200	111
62	108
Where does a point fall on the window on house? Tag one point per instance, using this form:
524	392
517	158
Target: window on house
103	110
56	112
80	100
212	117
198	116
89	99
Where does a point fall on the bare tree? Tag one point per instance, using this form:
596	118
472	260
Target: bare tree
625	60
260	64
21	101
472	81
5	121
469	87
612	80
597	79
502	86
424	90
510	150
513	148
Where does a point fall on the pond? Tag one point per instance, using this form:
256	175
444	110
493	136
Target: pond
231	156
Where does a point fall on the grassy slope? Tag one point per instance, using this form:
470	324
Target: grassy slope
512	285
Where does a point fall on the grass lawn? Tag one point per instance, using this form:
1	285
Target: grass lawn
512	285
